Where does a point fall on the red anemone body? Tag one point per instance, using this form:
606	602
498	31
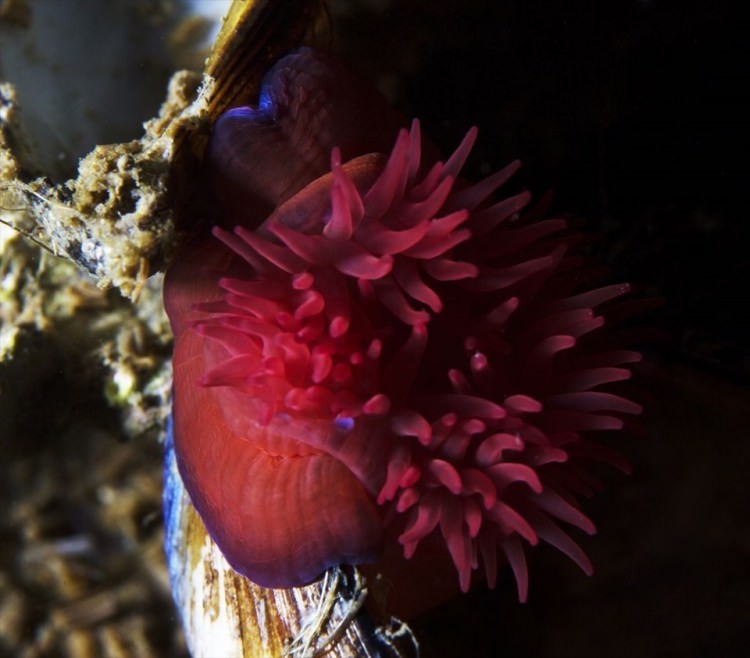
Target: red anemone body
369	347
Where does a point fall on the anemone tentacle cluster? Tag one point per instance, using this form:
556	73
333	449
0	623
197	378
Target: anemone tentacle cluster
391	295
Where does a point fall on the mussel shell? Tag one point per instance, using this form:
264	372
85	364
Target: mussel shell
254	34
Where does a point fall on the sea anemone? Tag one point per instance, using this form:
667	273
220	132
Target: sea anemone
371	349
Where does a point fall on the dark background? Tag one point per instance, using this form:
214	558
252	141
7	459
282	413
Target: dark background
635	112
